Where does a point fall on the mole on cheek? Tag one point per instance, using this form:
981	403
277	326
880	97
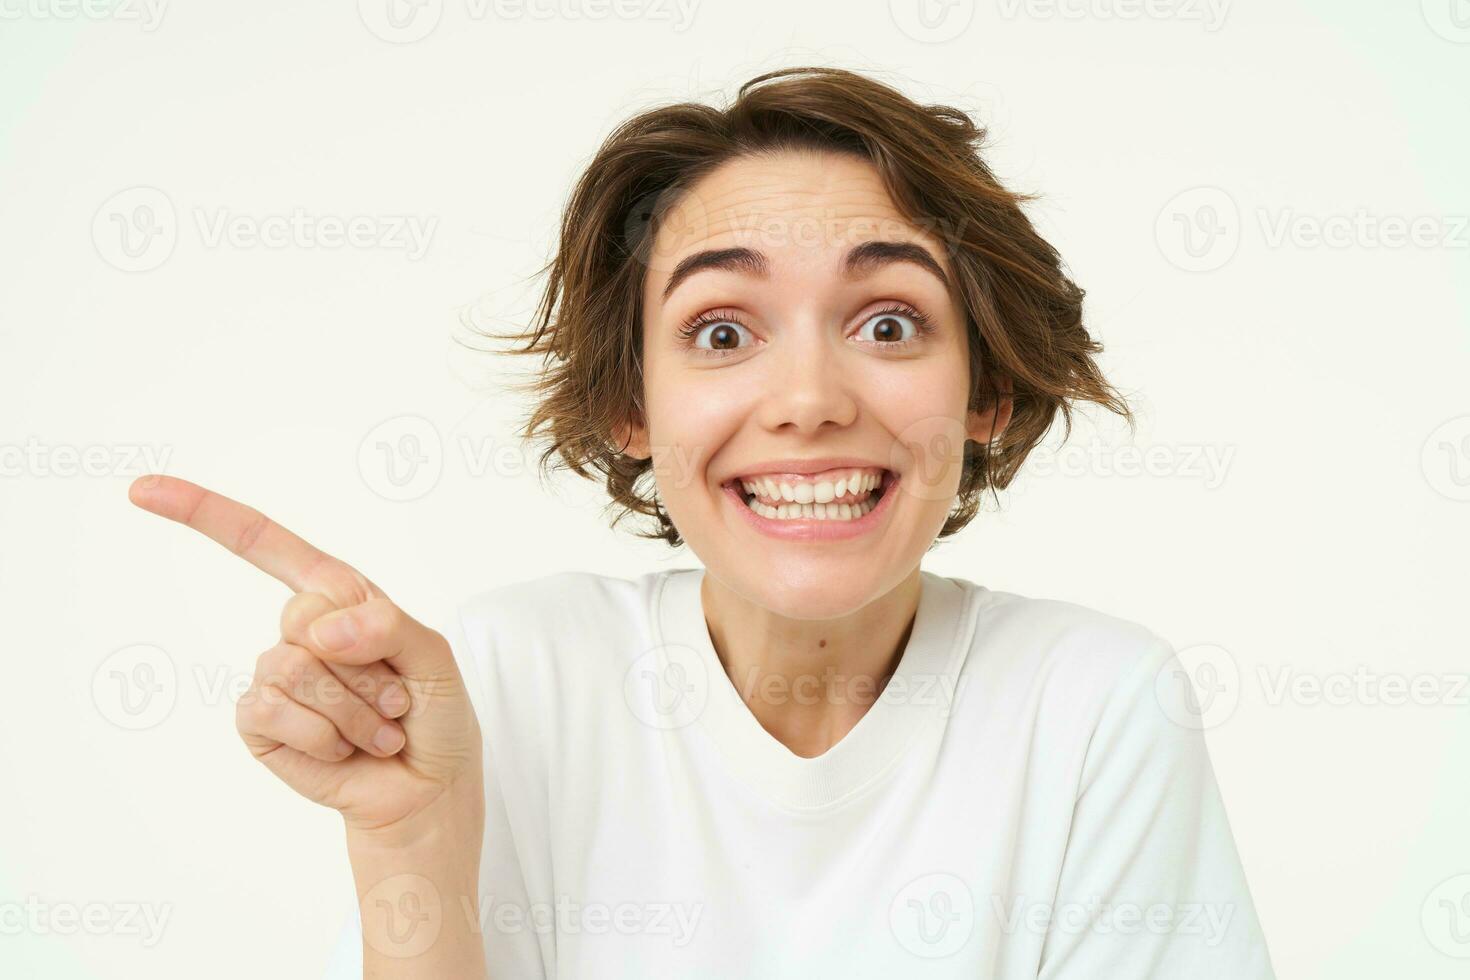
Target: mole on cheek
821	643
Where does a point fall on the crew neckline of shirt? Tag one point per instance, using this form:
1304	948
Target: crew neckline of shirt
910	702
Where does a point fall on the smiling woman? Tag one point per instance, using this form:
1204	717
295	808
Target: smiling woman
823	328
802	334
808	166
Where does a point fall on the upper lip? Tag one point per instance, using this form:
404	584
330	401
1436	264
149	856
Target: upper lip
803	467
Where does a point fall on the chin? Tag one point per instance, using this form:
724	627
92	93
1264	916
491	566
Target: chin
808	589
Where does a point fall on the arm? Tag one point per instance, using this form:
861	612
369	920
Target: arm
362	708
503	915
417	898
1151	886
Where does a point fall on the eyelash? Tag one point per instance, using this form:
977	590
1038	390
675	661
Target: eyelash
923	326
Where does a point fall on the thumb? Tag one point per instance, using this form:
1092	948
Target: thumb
376	682
300	611
379	630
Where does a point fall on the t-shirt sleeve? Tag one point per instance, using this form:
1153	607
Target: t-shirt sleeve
510	923
507	920
345	962
1151	885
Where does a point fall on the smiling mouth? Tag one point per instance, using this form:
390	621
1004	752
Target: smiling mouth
840	495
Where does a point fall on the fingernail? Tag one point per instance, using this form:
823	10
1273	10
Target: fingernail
393	699
334	631
344	747
388	740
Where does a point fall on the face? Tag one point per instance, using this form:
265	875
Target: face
806	380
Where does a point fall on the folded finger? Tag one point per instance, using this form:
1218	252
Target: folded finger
375	682
378	630
307	681
268	717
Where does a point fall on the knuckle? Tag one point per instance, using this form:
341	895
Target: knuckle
326	694
254	711
363	724
382	620
394	618
339	580
367	684
299	611
324	738
251	533
244	714
272	704
266	664
292	670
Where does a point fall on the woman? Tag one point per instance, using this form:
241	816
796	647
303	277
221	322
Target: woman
820	328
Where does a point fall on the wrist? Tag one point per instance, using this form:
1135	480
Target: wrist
453	821
417	886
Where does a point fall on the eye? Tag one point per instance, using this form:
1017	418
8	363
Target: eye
889	327
715	334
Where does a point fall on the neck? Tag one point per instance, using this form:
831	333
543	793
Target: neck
809	681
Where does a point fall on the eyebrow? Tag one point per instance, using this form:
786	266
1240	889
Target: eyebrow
860	260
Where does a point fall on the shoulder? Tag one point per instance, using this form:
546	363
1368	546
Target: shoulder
559	629
1097	691
547	591
572	609
1056	635
1071	663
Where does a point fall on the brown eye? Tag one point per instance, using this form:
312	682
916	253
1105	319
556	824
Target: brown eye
719	335
889	328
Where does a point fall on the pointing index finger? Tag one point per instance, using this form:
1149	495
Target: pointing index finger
250	534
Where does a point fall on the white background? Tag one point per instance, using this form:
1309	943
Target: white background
1325	543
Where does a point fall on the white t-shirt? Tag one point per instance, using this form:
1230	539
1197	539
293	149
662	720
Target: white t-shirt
1027	799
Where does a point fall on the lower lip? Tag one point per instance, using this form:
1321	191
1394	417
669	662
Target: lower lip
815	528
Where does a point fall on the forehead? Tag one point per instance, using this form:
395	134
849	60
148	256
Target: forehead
792	206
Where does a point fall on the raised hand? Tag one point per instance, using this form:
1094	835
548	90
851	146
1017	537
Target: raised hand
359	707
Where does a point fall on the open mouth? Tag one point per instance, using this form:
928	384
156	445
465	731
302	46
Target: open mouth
839	495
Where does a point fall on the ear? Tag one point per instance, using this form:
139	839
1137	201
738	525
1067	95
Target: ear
986	425
631	438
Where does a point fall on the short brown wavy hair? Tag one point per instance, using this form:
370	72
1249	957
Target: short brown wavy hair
1026	336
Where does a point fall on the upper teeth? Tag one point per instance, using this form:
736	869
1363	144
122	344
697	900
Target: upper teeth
846	485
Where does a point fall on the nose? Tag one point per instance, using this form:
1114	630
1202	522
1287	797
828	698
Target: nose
807	388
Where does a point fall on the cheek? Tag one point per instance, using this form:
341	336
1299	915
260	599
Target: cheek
689	418
923	409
